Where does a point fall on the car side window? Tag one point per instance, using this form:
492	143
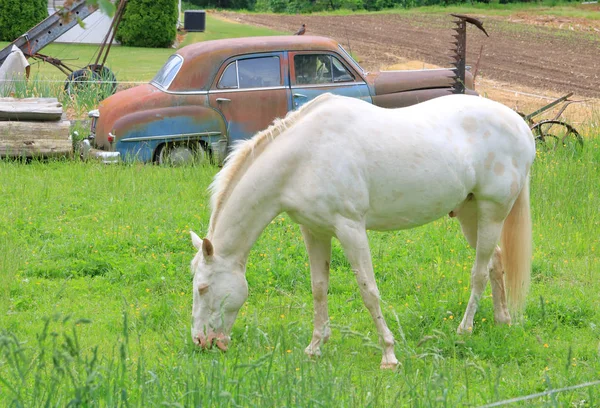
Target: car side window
320	69
251	73
229	77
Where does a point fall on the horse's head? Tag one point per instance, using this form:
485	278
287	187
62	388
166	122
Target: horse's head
220	290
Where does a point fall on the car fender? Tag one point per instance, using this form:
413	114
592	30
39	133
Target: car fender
139	134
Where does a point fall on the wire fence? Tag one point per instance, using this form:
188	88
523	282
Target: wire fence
540	394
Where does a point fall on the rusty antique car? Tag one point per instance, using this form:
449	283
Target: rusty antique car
210	94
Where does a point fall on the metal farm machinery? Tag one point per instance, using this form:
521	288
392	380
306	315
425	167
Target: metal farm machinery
554	132
31	42
550	133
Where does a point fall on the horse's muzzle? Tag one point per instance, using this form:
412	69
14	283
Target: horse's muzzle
206	342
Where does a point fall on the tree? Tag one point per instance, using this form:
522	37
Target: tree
149	23
17	17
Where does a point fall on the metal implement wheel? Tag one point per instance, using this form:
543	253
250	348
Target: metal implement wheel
79	80
180	154
108	80
93	78
554	133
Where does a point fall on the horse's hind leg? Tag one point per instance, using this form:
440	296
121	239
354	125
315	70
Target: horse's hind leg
487	223
501	314
319	254
353	237
467	216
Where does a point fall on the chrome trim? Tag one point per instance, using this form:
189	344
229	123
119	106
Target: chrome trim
335	84
352	60
180	135
422	69
160	88
266	88
86	152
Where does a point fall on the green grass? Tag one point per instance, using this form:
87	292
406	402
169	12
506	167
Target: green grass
96	299
217	29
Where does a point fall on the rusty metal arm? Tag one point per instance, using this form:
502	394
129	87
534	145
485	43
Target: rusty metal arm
550	105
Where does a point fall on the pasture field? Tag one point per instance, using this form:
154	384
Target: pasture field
95	300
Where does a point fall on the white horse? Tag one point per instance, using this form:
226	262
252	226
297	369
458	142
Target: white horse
340	166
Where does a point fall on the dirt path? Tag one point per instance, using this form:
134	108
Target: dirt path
524	56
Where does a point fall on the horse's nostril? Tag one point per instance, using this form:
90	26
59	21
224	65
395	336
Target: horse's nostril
200	341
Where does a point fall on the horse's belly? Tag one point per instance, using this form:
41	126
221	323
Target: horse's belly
405	214
401	203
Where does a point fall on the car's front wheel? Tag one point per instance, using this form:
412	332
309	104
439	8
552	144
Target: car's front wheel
180	154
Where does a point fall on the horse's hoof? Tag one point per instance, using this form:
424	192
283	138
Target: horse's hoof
502	320
464	330
389	366
313	352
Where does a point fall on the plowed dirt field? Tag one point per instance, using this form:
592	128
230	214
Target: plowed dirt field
527	60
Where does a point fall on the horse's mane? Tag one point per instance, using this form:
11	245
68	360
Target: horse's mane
245	152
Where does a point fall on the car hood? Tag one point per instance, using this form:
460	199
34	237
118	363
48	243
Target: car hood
396	89
141	97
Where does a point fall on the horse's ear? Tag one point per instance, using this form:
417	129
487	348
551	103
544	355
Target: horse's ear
196	241
207	248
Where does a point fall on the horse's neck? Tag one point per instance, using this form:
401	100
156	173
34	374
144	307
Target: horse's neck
251	206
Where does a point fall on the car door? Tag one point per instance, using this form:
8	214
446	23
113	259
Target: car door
314	73
250	92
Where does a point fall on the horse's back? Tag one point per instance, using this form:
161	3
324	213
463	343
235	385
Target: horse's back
399	168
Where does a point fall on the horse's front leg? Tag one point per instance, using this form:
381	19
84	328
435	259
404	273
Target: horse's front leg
354	240
319	255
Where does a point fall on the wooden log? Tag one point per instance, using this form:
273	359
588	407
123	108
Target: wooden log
30	109
35	139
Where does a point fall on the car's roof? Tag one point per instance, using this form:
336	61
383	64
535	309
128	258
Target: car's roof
203	59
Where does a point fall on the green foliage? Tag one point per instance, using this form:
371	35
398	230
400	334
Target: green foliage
17	17
311	6
149	23
221	4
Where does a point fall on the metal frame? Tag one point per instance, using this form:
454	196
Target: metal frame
31	42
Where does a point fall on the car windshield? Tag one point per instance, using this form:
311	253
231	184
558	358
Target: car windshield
167	73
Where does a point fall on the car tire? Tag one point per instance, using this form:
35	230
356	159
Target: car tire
180	154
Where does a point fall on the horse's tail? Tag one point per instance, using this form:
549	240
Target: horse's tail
516	250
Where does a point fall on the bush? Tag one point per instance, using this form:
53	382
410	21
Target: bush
149	23
17	17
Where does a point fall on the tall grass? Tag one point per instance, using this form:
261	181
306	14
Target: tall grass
96	296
